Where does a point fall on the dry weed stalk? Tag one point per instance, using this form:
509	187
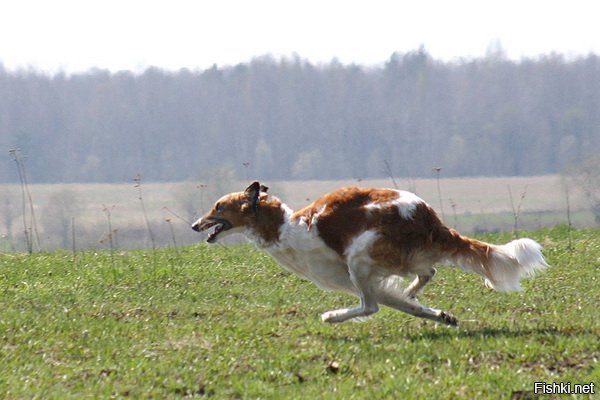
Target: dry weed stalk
569	223
437	171
106	211
388	171
138	185
73	243
516	210
30	230
453	205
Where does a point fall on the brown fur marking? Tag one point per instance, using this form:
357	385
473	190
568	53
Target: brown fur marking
402	243
270	217
343	216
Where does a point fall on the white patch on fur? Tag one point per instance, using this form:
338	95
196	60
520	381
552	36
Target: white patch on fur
315	218
406	202
358	251
360	245
301	250
513	261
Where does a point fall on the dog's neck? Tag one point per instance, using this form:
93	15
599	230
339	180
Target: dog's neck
265	230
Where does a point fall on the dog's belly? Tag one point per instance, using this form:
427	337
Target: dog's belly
320	265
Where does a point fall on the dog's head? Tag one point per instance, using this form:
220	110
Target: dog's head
232	213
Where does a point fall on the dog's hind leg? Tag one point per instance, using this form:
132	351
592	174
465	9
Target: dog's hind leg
418	283
400	302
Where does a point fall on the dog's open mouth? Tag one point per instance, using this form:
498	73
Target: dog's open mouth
219	226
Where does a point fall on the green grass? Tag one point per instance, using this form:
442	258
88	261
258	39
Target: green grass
227	322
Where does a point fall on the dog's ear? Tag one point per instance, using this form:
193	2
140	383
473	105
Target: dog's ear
252	193
264	188
253	189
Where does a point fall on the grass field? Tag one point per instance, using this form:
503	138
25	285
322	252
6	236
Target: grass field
227	322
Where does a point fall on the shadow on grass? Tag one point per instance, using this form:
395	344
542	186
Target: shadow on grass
444	333
504	332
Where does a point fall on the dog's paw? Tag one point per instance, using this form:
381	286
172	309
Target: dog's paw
448	319
332	317
329	317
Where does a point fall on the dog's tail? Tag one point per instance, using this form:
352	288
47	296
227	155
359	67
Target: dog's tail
502	266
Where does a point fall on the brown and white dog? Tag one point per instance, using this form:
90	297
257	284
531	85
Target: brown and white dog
360	241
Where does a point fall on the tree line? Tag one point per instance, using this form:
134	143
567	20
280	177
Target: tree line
279	119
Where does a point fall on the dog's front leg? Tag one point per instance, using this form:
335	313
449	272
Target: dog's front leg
361	277
365	309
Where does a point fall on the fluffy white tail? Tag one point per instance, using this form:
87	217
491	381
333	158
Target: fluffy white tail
502	266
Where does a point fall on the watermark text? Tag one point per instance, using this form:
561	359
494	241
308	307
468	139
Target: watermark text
563	388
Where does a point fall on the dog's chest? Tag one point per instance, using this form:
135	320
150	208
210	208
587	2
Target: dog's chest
304	253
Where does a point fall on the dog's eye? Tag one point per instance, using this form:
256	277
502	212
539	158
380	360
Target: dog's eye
218	206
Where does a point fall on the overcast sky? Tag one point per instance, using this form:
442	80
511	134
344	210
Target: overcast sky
75	35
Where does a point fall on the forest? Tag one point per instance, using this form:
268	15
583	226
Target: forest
287	119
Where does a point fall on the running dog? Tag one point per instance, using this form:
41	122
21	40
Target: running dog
360	241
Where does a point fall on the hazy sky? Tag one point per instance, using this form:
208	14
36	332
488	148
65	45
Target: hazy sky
75	35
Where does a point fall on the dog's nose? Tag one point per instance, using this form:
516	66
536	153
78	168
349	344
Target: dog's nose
196	226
